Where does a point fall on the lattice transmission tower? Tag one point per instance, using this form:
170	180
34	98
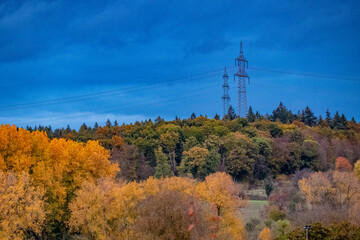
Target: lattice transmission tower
241	75
225	97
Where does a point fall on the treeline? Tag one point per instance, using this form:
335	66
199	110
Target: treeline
251	149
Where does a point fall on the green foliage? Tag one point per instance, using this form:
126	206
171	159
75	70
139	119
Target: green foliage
162	168
275	131
251	116
281	114
276	214
335	231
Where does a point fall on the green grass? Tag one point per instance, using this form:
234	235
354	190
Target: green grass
252	209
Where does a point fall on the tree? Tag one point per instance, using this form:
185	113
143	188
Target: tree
309	117
231	115
251	116
220	190
347	186
127	157
168	140
353	120
310	154
194	161
163	168
339	122
342	164
217	117
169	216
108	123
357	169
275	131
281	113
22	207
328	118
105	210
238	164
193	116
265	234
317	188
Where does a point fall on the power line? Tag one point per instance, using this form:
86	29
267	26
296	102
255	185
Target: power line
107	93
167	99
314	75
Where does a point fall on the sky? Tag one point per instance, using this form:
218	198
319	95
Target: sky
69	62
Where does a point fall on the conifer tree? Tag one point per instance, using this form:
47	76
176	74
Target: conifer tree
309	117
231	114
251	116
353	120
281	113
96	126
193	116
339	122
162	168
108	123
217	117
328	118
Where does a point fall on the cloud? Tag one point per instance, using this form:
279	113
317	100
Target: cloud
75	120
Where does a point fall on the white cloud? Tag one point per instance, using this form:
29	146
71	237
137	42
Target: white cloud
75	120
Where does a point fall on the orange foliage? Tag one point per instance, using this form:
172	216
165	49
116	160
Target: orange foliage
22	208
58	166
342	164
265	234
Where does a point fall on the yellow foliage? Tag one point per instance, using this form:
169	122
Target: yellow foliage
316	188
265	234
58	166
230	227
105	210
21	206
179	184
356	168
220	190
347	187
108	210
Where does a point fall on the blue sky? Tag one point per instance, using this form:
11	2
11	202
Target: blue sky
68	62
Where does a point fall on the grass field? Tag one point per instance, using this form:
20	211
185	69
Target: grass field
252	210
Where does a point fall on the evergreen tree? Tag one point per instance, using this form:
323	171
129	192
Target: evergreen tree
116	123
163	168
96	126
309	117
281	113
251	116
321	121
193	116
339	122
257	115
344	121
328	117
68	129
353	120
217	117
159	120
231	114
108	123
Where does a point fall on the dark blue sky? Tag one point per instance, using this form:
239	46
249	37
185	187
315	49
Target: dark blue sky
68	62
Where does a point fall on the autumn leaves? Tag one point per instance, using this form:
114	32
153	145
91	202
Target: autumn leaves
70	187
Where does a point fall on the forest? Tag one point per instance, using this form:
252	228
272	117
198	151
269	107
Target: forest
184	179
